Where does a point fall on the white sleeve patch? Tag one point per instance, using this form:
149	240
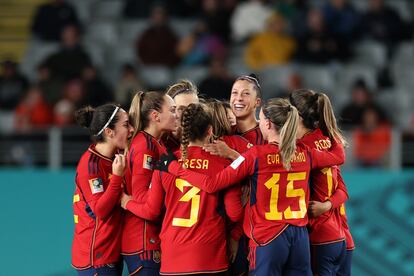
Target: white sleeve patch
236	163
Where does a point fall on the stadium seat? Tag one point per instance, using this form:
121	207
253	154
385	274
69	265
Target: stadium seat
351	72
319	78
102	31
130	30
194	73
107	9
274	79
182	27
156	77
370	53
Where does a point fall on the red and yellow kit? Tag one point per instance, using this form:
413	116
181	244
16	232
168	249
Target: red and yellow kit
193	236
237	142
326	228
350	245
170	142
138	234
97	214
254	136
277	197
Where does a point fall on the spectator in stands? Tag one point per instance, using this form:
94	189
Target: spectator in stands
271	47
294	82
71	59
200	45
249	18
33	111
158	44
127	85
51	18
217	15
73	98
352	113
341	18
179	8
294	11
372	139
383	24
97	91
218	83
12	86
318	45
52	88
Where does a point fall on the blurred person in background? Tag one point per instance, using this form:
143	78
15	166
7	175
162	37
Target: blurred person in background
73	98
217	15
97	92
127	85
341	18
198	47
51	18
33	111
294	82
69	61
51	87
12	88
272	47
372	139
249	18
218	83
318	45
158	43
351	113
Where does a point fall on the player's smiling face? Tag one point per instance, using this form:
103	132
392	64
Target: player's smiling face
243	99
122	131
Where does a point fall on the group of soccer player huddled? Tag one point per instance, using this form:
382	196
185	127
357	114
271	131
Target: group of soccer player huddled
180	185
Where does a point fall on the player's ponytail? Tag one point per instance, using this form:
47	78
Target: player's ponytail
327	120
141	106
285	118
97	119
195	121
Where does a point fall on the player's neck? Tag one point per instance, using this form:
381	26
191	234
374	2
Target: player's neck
105	150
302	131
273	138
153	131
245	124
197	143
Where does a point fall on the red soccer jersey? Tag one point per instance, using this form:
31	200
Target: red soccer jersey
324	183
253	135
170	142
277	197
193	236
238	143
97	214
350	245
139	234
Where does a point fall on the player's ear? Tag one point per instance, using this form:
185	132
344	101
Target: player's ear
258	102
155	116
109	132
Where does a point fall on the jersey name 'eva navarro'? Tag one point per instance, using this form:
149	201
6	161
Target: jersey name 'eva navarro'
326	228
97	214
277	197
138	234
193	238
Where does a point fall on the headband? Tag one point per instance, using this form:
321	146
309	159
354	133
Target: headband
109	121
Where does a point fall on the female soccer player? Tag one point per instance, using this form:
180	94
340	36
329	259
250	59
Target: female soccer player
183	93
152	114
317	128
245	98
193	237
276	217
99	176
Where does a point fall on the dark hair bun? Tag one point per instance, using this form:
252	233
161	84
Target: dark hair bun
84	116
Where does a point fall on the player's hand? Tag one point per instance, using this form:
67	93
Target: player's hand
317	208
233	248
125	199
165	161
119	164
220	148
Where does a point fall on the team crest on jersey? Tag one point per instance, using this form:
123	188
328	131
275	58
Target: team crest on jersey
147	162
156	256
96	185
249	145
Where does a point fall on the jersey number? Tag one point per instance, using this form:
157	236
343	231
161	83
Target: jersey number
191	195
273	185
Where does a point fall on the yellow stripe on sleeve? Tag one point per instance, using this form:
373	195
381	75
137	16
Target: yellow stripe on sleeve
76	198
76	218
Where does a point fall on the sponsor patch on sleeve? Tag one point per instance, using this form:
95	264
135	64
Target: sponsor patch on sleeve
147	162
96	185
236	163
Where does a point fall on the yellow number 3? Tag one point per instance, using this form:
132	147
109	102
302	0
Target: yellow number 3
191	195
273	185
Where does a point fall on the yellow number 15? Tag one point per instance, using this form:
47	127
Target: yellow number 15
273	184
191	195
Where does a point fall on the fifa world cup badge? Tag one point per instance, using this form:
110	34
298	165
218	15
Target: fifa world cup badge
96	185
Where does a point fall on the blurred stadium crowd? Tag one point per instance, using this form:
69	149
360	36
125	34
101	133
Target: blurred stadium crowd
359	52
